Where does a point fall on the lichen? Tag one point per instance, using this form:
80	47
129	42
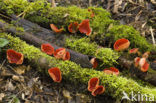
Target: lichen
74	73
85	46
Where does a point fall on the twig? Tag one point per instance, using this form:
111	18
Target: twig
151	30
90	2
2	64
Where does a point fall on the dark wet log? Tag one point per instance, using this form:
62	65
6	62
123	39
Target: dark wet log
36	40
149	76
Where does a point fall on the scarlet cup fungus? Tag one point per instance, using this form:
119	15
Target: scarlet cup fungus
47	48
66	56
133	51
136	61
142	62
93	83
98	90
94	62
73	27
55	74
121	44
55	29
61	53
145	67
14	57
84	27
111	70
115	70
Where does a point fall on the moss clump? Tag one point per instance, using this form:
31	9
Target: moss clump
84	45
124	31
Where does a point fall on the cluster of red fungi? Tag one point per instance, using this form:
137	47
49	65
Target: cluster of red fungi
62	53
83	27
93	83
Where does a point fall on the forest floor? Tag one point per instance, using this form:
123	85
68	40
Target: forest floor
22	84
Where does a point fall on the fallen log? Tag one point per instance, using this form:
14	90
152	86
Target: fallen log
35	33
37	40
73	73
107	55
149	76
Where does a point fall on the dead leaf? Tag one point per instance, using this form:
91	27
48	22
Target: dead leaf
20	69
66	94
9	86
2	95
18	78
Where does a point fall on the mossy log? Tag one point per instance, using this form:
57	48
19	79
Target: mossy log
149	76
38	38
102	25
107	55
35	33
74	73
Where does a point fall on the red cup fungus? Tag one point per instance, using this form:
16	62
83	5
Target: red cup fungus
73	27
61	53
84	27
145	67
93	83
136	61
47	48
133	51
111	70
55	29
55	74
14	57
94	62
98	90
121	44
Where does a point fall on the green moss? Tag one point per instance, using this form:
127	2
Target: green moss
85	46
124	31
74	73
82	45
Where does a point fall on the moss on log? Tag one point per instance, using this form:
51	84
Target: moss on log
74	73
85	46
41	12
